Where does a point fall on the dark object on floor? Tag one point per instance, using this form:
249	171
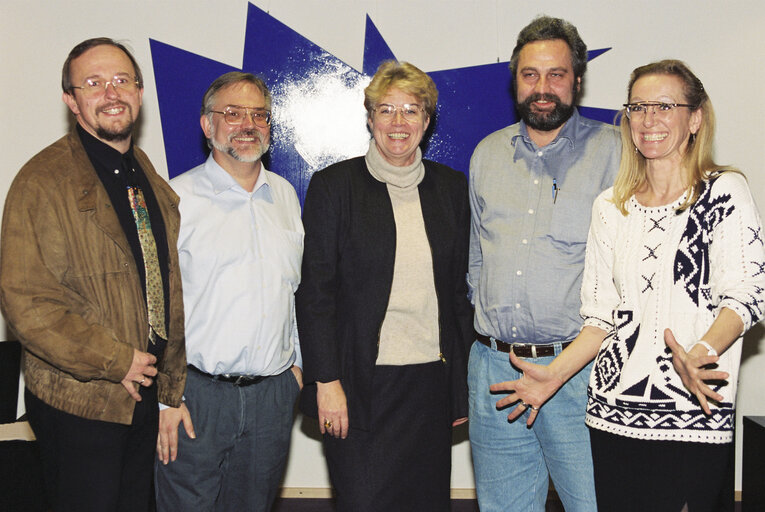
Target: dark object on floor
753	470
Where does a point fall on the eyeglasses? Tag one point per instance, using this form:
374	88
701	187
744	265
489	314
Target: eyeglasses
236	115
409	111
638	110
96	86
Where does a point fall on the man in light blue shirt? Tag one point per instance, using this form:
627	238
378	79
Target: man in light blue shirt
240	248
532	186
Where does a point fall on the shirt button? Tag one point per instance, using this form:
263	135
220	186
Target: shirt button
531	211
518	272
517	306
536	182
515	335
539	153
524	241
514	329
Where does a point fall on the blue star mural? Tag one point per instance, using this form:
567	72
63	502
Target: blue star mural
318	112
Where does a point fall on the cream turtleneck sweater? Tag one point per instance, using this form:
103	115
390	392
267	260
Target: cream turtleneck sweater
409	333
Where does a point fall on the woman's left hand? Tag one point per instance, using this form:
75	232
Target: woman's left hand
690	366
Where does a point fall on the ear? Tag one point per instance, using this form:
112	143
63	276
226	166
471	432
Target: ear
71	103
426	123
370	124
204	122
694	123
578	84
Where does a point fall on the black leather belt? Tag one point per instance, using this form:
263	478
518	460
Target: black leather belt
236	380
522	349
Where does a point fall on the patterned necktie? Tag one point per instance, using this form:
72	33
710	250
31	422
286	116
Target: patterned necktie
155	298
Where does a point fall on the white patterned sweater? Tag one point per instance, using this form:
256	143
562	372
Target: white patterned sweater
655	269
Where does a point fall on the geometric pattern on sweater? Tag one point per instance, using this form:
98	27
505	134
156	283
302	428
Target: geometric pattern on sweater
692	258
709	256
646	420
611	356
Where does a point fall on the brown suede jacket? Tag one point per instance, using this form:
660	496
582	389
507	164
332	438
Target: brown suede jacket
70	289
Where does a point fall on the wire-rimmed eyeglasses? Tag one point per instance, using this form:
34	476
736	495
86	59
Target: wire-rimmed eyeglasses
235	115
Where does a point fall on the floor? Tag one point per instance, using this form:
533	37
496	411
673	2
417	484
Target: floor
325	505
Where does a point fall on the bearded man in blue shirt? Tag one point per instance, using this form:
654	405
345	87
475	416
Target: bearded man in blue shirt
532	186
240	247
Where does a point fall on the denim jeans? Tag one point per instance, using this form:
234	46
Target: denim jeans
511	461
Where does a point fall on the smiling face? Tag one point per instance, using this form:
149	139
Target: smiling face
545	84
108	115
662	136
246	142
397	139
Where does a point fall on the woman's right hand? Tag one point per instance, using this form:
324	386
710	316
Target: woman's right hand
333	409
536	385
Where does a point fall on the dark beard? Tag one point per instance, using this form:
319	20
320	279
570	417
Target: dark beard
545	121
125	134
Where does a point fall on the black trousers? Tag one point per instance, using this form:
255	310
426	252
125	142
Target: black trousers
404	462
639	475
91	465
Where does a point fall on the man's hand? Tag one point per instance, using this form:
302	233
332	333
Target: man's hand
298	375
333	409
141	372
167	440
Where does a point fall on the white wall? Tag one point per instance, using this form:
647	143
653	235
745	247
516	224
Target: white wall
722	41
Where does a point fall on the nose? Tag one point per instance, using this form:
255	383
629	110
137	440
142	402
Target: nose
110	92
649	118
249	118
398	116
541	86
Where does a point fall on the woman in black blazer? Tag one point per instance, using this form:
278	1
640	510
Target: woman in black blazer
382	308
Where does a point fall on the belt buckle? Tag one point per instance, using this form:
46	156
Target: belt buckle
241	380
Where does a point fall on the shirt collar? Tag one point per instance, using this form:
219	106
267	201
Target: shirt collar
569	133
102	153
222	180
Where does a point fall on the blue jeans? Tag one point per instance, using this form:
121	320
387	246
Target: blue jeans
511	461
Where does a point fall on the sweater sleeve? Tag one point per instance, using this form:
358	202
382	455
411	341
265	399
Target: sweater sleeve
599	294
737	252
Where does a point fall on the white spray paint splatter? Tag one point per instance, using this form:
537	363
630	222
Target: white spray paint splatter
323	116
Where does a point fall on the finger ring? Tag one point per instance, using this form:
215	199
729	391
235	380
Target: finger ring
524	404
534	408
141	381
327	423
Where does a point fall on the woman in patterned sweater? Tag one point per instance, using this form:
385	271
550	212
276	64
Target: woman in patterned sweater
674	276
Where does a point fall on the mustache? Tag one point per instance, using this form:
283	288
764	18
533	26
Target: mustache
246	133
537	96
116	103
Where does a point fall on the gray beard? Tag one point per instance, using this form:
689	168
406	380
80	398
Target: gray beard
229	149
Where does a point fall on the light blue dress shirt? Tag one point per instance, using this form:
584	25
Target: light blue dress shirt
240	255
531	211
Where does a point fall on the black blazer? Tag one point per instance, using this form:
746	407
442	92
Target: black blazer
350	245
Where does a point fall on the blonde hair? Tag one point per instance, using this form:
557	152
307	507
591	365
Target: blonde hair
697	160
405	77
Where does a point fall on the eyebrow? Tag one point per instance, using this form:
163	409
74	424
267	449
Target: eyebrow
557	69
243	106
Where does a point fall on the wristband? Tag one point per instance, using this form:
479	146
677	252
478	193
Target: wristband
710	351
